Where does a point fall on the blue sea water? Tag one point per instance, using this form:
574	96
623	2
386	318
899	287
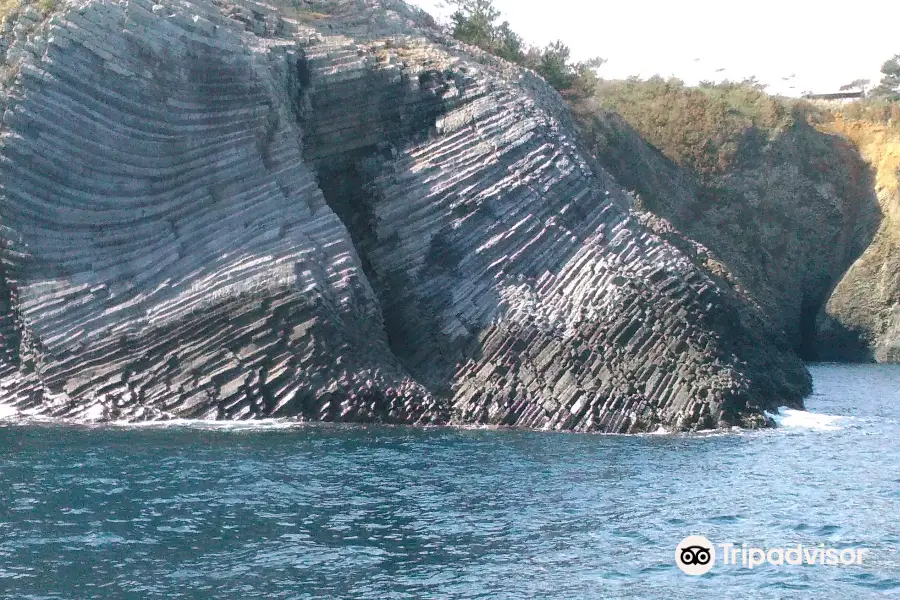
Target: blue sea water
199	510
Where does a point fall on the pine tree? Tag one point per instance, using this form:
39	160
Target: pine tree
475	23
889	87
555	67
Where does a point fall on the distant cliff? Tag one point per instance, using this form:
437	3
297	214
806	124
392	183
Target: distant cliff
866	301
239	210
799	213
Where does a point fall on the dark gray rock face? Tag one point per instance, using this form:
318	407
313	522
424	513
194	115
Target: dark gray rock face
170	250
238	211
788	219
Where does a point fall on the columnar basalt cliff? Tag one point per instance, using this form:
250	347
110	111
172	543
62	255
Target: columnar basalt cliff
240	210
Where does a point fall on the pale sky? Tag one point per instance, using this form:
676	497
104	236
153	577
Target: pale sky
822	44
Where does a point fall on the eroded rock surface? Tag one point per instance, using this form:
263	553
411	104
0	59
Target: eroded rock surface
783	222
238	210
862	316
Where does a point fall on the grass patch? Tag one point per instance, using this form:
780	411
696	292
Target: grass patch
879	145
47	6
874	110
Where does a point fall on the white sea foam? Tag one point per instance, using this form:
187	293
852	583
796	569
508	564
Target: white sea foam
801	419
252	425
787	418
93	417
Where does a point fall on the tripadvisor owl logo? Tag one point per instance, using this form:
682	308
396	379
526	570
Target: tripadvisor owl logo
695	555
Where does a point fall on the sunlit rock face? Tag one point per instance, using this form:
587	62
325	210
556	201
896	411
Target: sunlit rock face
237	210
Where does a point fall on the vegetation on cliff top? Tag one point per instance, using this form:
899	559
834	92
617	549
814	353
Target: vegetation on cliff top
477	22
876	110
713	129
889	87
705	129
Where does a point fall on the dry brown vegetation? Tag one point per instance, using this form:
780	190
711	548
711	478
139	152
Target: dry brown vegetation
8	7
701	128
310	16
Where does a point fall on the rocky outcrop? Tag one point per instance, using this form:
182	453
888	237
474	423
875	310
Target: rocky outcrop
781	224
171	251
240	210
862	314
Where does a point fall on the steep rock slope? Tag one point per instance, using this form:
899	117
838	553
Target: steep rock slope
866	301
786	208
237	210
170	251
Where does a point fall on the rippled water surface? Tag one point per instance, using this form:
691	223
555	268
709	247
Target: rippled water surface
197	511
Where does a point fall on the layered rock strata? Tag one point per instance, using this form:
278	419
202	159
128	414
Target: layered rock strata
241	210
170	250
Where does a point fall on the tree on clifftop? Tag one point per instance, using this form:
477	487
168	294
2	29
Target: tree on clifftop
554	63
890	84
475	22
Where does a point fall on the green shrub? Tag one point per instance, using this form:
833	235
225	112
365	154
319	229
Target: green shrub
47	6
889	87
706	128
475	22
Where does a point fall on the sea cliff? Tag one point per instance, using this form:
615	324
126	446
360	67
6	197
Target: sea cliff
331	211
794	203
